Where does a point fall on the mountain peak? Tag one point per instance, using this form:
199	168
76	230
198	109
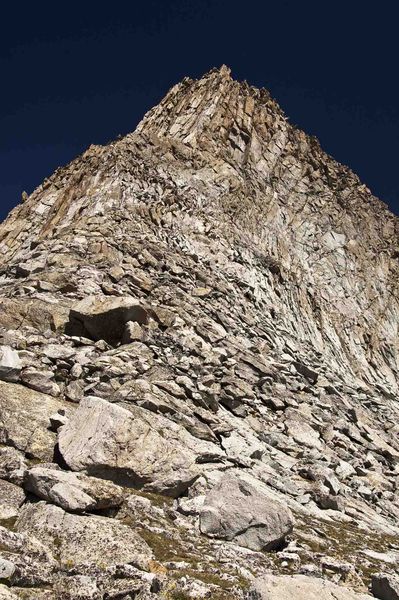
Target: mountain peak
206	308
214	111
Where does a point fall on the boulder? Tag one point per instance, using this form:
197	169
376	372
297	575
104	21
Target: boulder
300	587
41	381
105	318
25	419
10	364
385	586
74	492
301	432
83	540
132	446
253	517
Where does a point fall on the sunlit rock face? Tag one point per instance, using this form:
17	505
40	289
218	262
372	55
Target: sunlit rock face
201	317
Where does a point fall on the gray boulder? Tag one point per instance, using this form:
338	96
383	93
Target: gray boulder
300	587
385	586
134	447
245	511
105	318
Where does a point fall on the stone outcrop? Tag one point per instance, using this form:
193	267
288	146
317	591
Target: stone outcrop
199	365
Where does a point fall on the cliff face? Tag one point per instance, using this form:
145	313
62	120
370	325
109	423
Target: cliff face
211	305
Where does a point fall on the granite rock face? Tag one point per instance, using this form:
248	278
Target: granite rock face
199	365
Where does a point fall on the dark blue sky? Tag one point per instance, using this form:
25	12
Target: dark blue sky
80	73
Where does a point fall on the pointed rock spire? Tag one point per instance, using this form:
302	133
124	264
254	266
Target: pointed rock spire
214	112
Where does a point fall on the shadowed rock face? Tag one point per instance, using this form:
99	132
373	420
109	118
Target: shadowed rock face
199	326
104	319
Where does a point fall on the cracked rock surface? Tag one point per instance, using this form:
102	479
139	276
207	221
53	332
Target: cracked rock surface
199	366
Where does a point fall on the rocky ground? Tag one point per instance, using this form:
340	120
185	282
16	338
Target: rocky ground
199	366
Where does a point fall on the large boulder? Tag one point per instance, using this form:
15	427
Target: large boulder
105	318
245	511
74	492
25	420
133	446
385	586
300	587
83	540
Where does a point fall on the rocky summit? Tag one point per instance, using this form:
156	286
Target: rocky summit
199	364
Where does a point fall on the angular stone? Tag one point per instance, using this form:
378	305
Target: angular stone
72	491
245	512
10	364
41	381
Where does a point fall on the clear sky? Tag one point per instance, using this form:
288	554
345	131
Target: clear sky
80	73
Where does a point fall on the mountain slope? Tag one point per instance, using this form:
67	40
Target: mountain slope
211	304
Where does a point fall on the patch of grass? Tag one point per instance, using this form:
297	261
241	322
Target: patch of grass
344	542
9	523
156	499
165	549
